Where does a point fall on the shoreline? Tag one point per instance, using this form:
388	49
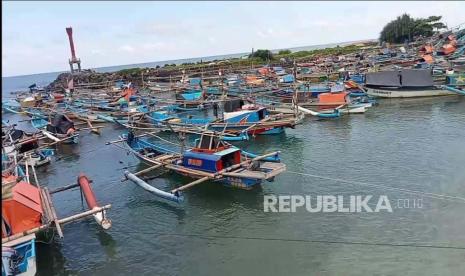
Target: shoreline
108	69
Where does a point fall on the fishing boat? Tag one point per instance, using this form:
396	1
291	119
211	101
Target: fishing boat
11	106
455	83
210	159
60	128
21	211
238	118
252	118
19	257
18	142
404	83
27	210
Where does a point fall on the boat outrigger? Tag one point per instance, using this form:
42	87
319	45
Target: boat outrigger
237	119
28	209
211	159
20	143
60	127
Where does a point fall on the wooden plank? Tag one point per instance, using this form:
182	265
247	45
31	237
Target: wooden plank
148	169
71	186
246	174
45	207
61	221
196	182
53	212
20	240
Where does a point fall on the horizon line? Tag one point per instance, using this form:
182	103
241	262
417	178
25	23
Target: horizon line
180	59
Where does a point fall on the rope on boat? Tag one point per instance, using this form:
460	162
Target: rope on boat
364	243
426	194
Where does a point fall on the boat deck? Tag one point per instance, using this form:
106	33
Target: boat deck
274	170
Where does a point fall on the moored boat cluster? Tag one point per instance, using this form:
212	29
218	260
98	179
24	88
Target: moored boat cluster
205	111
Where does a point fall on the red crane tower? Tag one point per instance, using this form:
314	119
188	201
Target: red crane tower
73	59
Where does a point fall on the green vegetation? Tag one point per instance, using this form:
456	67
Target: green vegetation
405	28
262	54
260	57
131	71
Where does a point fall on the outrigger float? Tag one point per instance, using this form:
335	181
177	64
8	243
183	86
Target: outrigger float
211	159
28	209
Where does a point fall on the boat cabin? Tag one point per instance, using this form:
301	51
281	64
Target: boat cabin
236	111
21	208
211	155
248	114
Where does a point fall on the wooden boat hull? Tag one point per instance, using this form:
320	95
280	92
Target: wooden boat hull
258	130
140	147
253	128
397	93
25	249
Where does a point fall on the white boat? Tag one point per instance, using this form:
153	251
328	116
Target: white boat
403	83
354	110
22	249
406	93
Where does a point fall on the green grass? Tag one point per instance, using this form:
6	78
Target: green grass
286	54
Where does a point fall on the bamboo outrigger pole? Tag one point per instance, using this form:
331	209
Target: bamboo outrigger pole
60	221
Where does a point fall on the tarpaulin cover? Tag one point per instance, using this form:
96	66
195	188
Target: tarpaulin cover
448	49
332	97
23	211
428	49
385	78
264	71
233	105
416	78
60	124
428	59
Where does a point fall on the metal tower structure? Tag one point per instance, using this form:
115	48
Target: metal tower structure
73	59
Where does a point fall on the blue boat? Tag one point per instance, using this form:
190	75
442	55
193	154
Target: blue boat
60	128
210	159
358	78
252	119
11	107
19	257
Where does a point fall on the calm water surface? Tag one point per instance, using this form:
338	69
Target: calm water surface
413	144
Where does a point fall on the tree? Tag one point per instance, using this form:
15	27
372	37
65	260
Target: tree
263	54
284	52
405	28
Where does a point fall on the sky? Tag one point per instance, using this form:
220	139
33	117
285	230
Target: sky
108	33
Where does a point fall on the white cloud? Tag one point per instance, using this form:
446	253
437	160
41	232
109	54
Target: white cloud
163	29
168	31
126	48
96	52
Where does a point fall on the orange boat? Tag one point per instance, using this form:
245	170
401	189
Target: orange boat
252	79
332	100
